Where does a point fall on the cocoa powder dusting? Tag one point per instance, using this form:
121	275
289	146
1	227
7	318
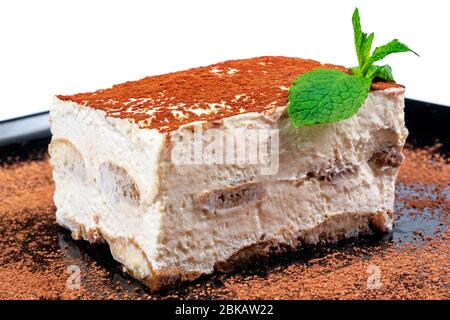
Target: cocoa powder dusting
166	102
35	252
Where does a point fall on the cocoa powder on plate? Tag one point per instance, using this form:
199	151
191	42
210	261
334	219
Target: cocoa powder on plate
35	253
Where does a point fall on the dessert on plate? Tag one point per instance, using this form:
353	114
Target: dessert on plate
167	220
199	170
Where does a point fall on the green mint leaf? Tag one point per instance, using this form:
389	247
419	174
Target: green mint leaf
382	72
367	46
379	72
354	70
380	53
358	34
394	46
363	43
326	95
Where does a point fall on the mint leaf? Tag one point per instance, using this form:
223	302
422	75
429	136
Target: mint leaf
363	43
358	34
394	46
367	46
379	72
326	95
380	53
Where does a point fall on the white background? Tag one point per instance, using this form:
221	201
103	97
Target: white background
60	47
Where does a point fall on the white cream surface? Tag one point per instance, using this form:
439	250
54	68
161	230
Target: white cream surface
121	182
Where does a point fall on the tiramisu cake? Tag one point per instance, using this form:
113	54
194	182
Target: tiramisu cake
168	172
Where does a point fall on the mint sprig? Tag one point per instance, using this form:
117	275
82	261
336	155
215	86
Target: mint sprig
329	95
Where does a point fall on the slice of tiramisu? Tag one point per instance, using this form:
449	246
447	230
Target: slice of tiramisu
198	170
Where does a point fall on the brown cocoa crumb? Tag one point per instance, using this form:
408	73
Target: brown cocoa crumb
424	166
